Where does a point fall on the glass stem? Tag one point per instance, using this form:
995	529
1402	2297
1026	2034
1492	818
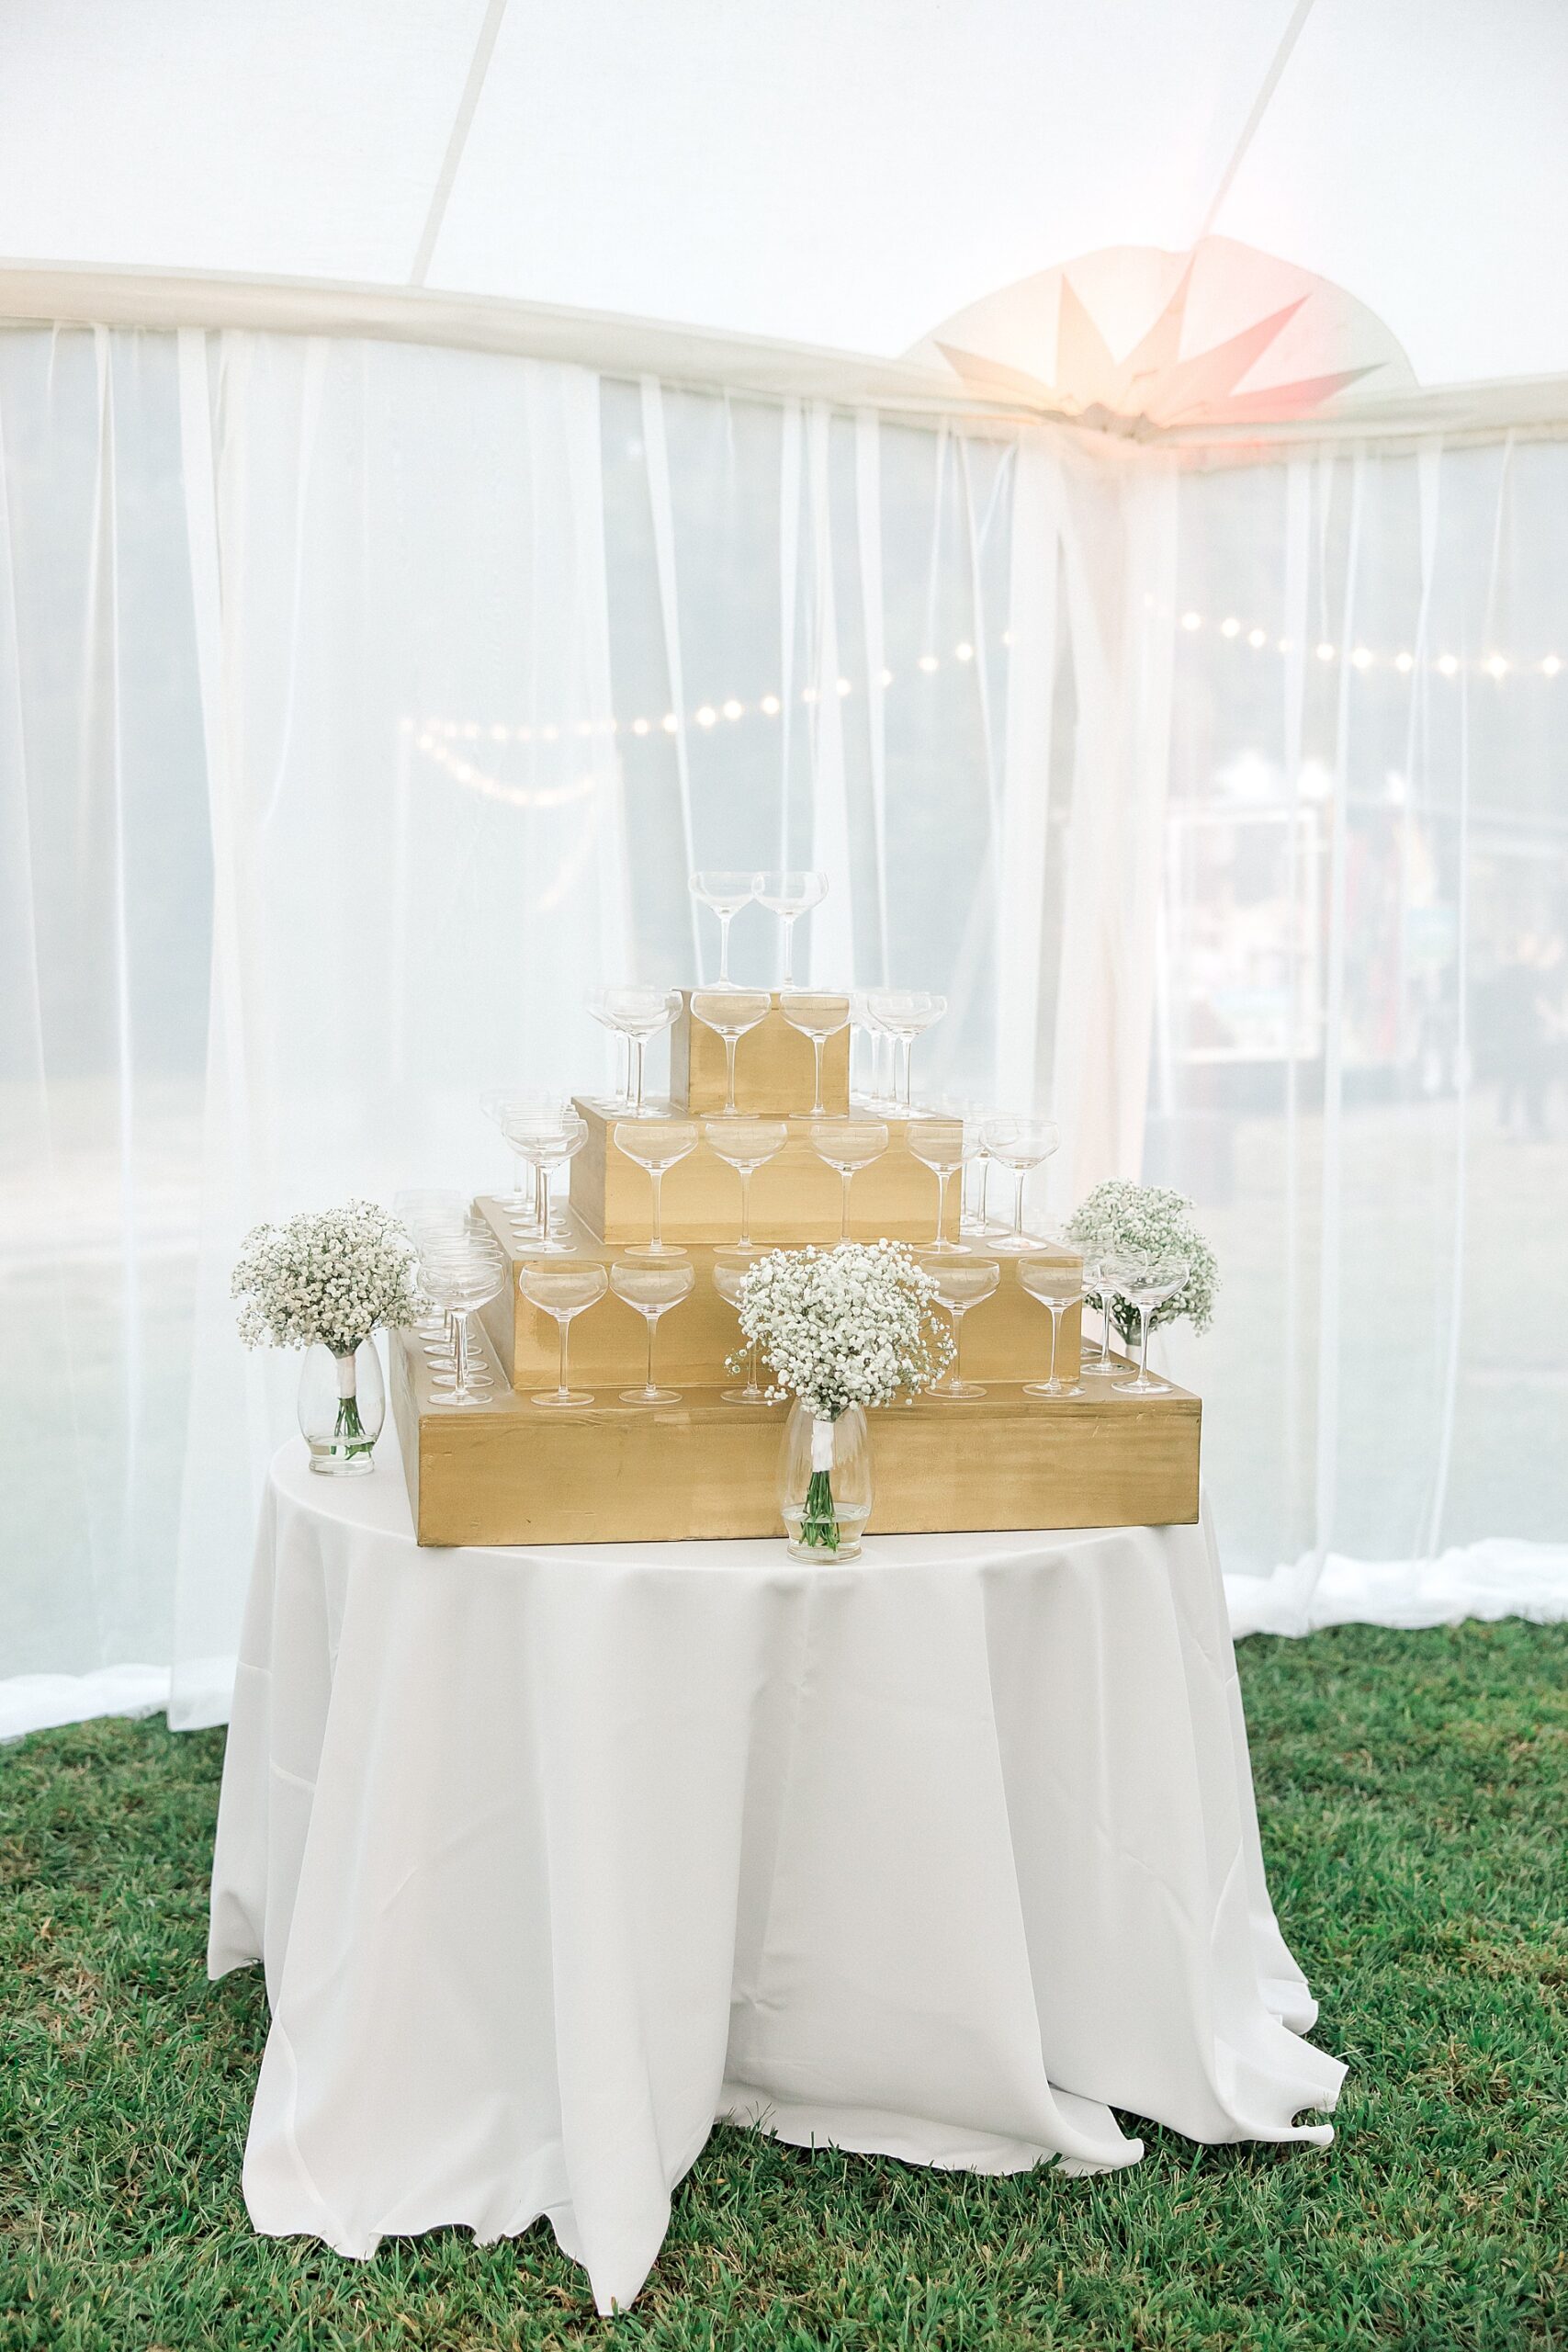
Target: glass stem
656	1178
1144	1347
623	1069
1108	1309
1055	1306
724	951
752	1387
944	1178
957	1313
816	1097
637	1047
1018	1175
652	1321
564	1321
848	1176
460	1354
745	1176
789	951
905	1058
729	1045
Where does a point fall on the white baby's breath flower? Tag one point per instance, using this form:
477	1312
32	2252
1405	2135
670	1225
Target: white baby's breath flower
329	1279
857	1325
1149	1221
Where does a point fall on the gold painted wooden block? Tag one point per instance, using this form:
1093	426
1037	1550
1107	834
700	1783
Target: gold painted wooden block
515	1472
774	1067
796	1198
1007	1337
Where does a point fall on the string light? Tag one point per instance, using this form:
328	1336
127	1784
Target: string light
1551	666
771	706
1447	665
1257	637
1326	652
1495	666
964	652
930	663
1191	620
733	709
1405	663
707	716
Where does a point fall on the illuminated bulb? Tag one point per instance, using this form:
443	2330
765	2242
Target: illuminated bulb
771	706
887	677
670	723
585	727
964	652
707	716
471	730
498	734
1361	657
1231	627
1447	665
1284	645
524	734
1008	638
1191	620
1495	666
808	694
1326	652
427	743
1551	666
640	725
732	710
1257	637
843	685
1403	664
927	662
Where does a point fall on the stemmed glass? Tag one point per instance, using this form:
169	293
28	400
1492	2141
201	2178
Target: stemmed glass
1145	1283
599	1010
639	1013
905	1014
651	1291
961	1283
1056	1287
547	1140
846	1145
501	1102
818	1017
465	1276
729	1273
656	1145
867	1024
562	1291
943	1145
724	895
1099	1286
744	1145
790	896
731	1013
1020	1145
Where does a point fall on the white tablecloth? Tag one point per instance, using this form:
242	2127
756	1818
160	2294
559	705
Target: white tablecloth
554	1856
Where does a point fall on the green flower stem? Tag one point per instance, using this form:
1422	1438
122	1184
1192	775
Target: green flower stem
819	1528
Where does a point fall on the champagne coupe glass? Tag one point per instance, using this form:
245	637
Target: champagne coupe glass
599	1010
943	1145
640	1014
652	1291
905	1014
961	1283
1099	1286
725	895
553	1148
865	1023
545	1140
1147	1283
426	1211
562	1289
731	1013
846	1145
818	1017
475	1272
1056	1287
790	896
729	1273
744	1145
656	1145
1020	1145
501	1102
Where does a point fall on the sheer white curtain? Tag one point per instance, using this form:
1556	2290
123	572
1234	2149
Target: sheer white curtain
1361	1059
360	705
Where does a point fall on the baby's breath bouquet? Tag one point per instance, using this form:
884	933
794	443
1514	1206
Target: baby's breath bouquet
840	1330
329	1279
1149	1221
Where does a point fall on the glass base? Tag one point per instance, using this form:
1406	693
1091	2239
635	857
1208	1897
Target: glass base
653	1249
443	1398
573	1396
1052	1388
1015	1242
943	1247
342	1465
744	1396
960	1391
1144	1384
650	1395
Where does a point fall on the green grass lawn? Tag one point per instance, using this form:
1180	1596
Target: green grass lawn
1414	1790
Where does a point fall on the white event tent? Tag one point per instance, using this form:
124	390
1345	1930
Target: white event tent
1093	479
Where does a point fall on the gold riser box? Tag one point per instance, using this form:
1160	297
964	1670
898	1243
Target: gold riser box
1007	1337
774	1067
797	1197
516	1472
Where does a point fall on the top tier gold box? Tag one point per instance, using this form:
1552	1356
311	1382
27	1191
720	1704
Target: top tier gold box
774	1066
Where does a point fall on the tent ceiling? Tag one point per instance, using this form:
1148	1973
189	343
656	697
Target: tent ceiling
839	171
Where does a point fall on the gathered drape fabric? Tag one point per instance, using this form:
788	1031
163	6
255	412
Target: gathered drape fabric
554	1858
362	704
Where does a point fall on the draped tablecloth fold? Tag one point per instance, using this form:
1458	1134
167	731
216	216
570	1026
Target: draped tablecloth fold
554	1858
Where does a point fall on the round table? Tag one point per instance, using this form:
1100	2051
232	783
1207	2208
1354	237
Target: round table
555	1857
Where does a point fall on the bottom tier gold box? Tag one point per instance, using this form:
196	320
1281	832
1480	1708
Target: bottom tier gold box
514	1472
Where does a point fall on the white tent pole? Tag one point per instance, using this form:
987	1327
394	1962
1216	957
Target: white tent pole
1259	107
462	123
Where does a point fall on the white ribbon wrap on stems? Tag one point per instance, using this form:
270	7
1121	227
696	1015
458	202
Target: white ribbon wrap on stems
347	1375
821	1445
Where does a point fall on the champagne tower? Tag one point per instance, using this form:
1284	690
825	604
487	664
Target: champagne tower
508	1472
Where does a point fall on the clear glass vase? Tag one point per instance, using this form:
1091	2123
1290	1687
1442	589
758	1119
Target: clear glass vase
825	1485
342	1403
